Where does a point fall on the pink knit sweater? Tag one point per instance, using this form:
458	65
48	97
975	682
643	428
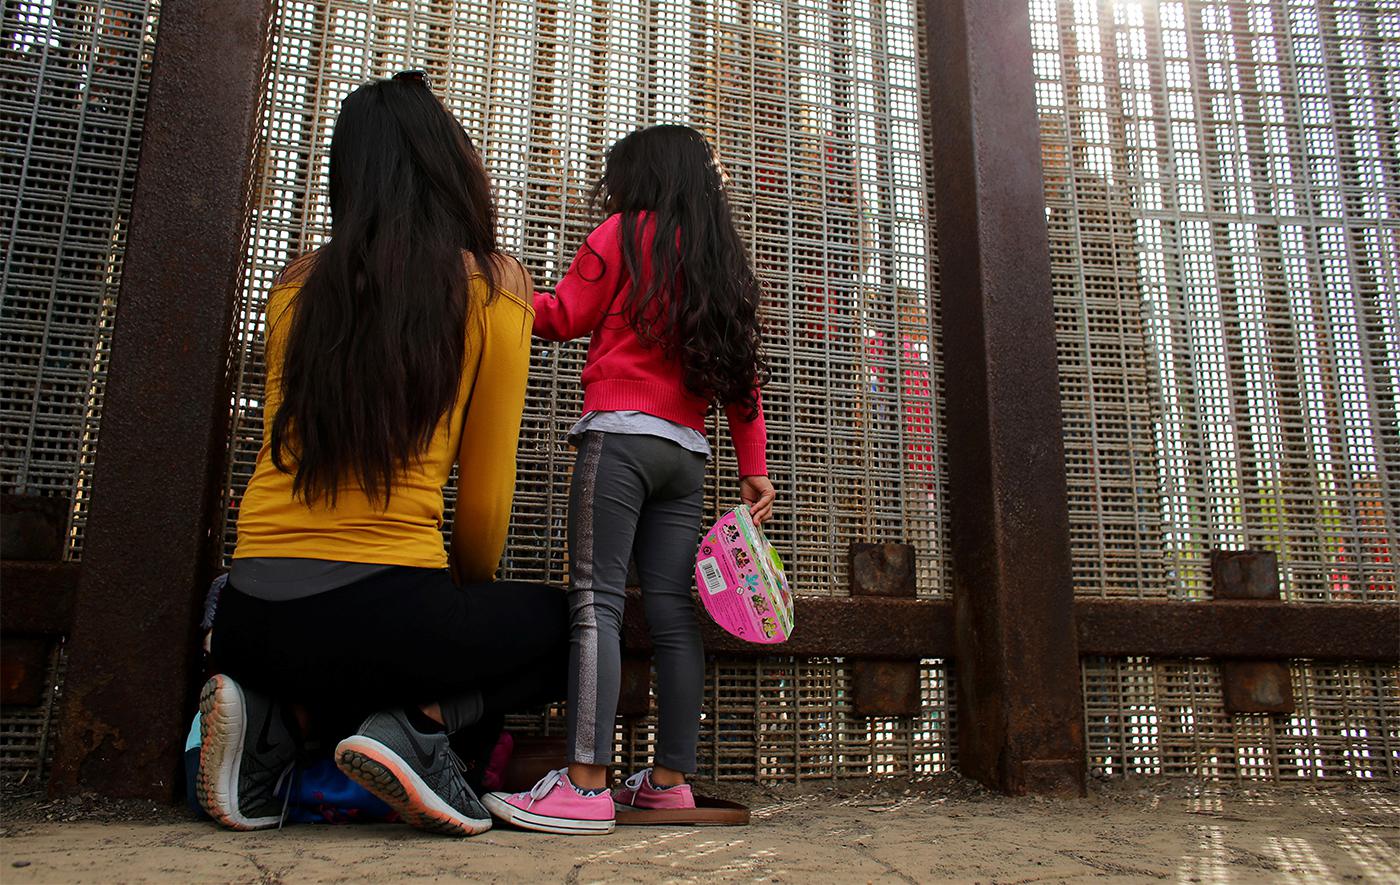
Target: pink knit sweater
623	373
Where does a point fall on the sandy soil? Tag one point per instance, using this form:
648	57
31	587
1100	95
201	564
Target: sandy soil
944	830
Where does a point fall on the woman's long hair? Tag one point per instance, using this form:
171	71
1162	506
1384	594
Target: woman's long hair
700	302
378	334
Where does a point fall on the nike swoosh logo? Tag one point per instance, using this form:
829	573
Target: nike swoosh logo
425	757
264	746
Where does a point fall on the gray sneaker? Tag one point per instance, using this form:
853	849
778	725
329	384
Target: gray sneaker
246	750
415	774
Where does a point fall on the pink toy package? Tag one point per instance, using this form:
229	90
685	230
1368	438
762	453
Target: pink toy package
741	582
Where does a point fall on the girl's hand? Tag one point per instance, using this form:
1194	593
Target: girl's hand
758	493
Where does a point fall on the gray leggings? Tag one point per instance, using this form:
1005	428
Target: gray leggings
634	496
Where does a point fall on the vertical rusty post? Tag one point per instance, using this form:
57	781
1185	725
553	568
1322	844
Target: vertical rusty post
152	532
1020	719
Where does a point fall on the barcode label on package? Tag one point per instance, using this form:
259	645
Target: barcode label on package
710	573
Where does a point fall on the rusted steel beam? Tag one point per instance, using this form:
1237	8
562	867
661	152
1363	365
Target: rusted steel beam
152	532
24	669
32	526
923	628
37	597
1020	713
1248	629
829	626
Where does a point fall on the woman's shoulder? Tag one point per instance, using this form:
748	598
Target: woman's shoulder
512	282
286	285
296	271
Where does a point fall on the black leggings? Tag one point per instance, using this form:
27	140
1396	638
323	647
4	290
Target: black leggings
404	636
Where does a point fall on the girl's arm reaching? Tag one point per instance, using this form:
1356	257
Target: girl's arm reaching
751	448
582	297
750	438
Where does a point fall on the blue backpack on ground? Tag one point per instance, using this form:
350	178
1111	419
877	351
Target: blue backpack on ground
321	793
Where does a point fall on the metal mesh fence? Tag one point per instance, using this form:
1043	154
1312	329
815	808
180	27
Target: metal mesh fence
27	732
1221	191
1223	196
72	97
791	719
1146	717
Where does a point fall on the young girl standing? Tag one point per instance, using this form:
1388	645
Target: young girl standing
666	290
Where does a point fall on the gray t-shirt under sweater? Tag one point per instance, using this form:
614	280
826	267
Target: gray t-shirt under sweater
643	424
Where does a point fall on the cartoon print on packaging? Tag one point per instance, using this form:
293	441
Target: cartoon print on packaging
736	557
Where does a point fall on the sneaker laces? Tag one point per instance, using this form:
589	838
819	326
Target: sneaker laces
634	783
545	784
288	777
461	788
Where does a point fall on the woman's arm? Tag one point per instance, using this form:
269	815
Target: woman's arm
491	434
583	295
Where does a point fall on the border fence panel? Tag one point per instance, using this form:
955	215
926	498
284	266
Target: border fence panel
1223	196
73	79
72	102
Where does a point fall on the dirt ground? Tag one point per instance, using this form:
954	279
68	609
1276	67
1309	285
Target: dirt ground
891	831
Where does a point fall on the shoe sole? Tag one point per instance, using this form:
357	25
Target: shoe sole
385	774
496	803
706	813
223	729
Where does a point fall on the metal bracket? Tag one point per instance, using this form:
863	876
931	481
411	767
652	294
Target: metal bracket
884	687
1251	686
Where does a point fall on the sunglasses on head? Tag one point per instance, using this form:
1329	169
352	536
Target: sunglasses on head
414	76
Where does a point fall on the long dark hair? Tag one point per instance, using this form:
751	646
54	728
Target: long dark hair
700	302
378	334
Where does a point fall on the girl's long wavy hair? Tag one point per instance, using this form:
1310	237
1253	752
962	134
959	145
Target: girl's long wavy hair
700	302
378	332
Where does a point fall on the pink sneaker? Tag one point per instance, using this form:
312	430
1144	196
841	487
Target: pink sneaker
639	794
554	806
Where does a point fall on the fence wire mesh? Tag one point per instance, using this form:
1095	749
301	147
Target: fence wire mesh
791	719
1166	717
72	99
1223	196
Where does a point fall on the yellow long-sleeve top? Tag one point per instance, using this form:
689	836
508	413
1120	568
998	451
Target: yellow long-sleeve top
480	433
